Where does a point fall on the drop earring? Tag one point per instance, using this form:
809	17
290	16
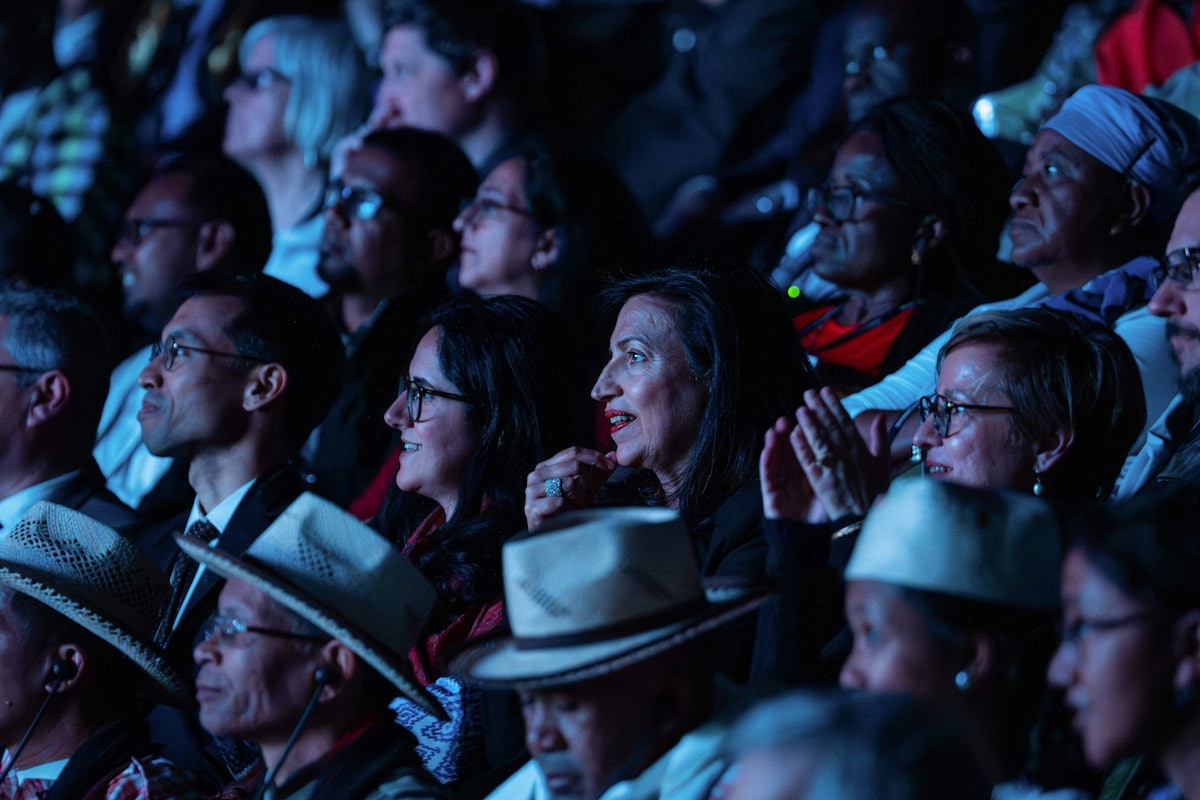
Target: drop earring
1037	482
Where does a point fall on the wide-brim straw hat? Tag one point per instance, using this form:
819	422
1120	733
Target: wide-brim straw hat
339	574
987	545
96	578
598	590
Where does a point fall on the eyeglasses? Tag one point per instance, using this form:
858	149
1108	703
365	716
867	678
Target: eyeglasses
262	78
134	231
417	394
1178	266
357	202
471	211
229	629
943	409
842	201
1077	629
171	349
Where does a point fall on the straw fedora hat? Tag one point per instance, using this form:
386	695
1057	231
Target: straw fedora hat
94	577
596	590
343	577
980	544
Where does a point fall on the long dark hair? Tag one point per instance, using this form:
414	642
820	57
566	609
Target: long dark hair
739	342
506	354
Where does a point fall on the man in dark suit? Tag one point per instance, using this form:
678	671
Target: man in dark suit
54	361
246	368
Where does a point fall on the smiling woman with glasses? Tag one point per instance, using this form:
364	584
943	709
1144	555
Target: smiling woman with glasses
484	398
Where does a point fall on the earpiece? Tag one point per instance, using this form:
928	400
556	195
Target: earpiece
64	670
326	675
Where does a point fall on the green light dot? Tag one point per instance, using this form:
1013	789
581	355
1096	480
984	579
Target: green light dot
793	292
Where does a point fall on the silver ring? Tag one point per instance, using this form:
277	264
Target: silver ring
553	487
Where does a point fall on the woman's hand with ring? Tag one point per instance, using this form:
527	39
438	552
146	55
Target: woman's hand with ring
568	480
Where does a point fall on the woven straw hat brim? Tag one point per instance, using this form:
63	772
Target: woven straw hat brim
147	655
295	598
502	664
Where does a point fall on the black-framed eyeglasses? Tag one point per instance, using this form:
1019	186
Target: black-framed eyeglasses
842	201
1178	266
134	231
261	78
1071	633
228	628
415	399
171	349
357	202
475	209
943	409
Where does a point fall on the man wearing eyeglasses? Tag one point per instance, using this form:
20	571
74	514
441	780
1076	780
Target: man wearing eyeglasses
1172	449
388	243
245	369
194	215
53	381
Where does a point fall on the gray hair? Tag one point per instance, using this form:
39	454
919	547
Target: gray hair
330	84
50	329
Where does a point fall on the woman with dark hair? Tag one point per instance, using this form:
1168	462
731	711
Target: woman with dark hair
550	226
698	361
909	224
1129	662
485	397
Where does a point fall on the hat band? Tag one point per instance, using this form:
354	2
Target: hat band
616	630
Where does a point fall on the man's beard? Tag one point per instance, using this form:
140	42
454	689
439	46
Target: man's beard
1189	380
335	268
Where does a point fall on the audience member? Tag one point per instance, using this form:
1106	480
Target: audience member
468	69
305	651
610	659
1128	657
247	367
550	226
1094	200
55	363
698	361
196	214
1033	400
951	597
909	223
388	243
850	746
303	86
730	66
1170	453
484	399
78	606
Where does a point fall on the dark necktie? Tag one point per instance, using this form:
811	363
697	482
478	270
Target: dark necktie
182	573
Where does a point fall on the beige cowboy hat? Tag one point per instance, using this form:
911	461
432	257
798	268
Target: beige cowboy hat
343	577
594	591
94	577
980	544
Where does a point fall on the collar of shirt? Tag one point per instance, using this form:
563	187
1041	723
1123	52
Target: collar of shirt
219	516
48	771
14	507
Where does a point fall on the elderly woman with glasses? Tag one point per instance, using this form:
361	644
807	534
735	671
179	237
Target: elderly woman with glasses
485	398
909	218
1035	400
304	85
